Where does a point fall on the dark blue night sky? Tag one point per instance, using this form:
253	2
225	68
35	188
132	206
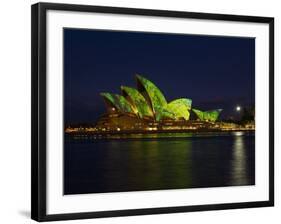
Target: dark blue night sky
215	72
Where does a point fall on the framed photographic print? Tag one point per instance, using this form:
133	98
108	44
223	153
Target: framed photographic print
138	111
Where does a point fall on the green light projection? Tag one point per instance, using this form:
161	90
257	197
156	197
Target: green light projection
118	102
211	115
180	108
153	95
138	101
149	101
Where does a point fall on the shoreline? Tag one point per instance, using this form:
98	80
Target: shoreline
157	131
87	135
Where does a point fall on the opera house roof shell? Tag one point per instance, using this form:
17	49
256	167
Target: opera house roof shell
211	115
147	101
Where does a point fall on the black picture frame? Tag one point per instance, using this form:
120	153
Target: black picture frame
38	107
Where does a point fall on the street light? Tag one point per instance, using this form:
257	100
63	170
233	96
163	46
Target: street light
238	108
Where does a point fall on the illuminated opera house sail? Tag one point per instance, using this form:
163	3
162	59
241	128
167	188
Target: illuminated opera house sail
146	104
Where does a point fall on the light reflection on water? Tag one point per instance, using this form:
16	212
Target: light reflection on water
239	171
162	163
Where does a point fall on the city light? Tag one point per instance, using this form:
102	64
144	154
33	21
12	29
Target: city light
145	110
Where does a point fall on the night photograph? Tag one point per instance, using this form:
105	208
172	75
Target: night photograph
157	111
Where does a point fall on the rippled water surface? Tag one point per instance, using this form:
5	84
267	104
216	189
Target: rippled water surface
172	161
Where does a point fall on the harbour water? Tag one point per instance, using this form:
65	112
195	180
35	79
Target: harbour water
167	161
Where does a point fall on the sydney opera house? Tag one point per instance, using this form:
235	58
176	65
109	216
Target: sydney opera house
146	108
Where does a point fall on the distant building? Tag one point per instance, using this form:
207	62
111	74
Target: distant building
147	102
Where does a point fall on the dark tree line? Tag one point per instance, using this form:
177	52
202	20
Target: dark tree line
248	115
